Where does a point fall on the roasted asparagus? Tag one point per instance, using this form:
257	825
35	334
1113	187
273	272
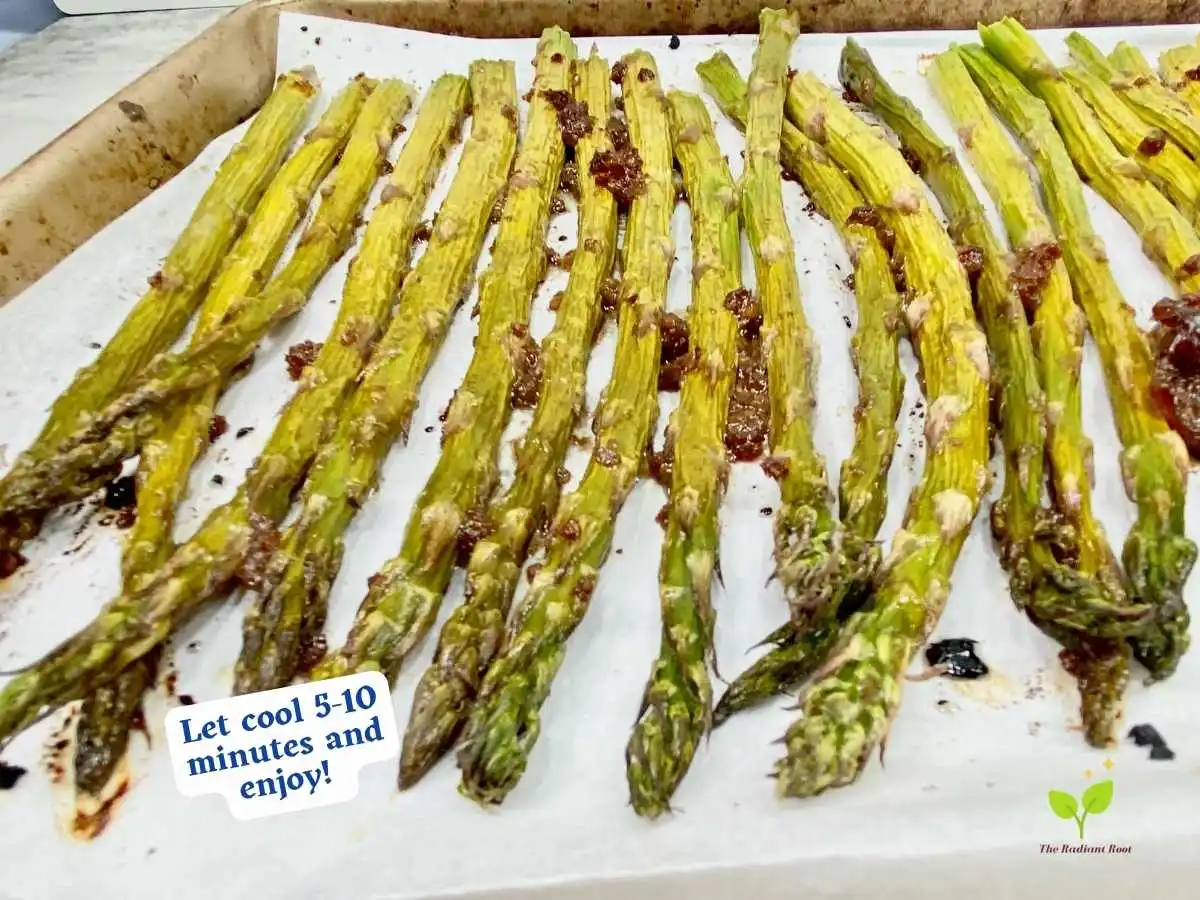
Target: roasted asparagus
796	652
1160	158
1131	77
505	722
1061	571
175	290
1158	556
403	599
852	702
288	615
472	635
235	538
1169	239
102	731
1181	69
677	706
110	437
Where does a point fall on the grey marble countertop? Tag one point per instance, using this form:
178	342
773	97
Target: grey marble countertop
50	80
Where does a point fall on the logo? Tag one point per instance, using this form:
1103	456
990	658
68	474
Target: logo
1095	800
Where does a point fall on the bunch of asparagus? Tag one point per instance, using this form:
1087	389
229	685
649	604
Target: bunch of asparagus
1158	556
403	599
1179	67
1061	570
282	628
1167	234
160	316
1129	75
116	432
102	732
472	635
849	707
856	620
138	621
504	724
796	649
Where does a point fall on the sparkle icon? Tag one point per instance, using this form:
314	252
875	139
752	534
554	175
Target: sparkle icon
1087	773
1108	764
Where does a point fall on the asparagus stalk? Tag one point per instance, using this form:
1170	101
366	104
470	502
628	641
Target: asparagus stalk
1160	158
1167	235
1157	555
1135	84
102	731
677	707
1181	68
472	635
402	602
1081	599
175	290
1042	585
243	325
505	723
289	612
796	652
807	537
234	537
849	708
1131	61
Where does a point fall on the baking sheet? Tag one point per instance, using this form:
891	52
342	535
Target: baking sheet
965	784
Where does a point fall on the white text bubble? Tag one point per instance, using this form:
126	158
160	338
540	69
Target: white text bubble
284	750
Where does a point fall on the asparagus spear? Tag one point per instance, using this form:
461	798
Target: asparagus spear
235	537
163	311
1167	235
677	707
1130	76
471	636
243	325
505	723
848	710
1131	61
1157	555
288	614
1181	68
1160	158
795	651
807	537
403	599
1062	571
102	731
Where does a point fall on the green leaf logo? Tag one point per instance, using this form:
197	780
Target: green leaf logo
1063	804
1095	800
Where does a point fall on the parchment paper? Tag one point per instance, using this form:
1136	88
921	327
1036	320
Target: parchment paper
961	804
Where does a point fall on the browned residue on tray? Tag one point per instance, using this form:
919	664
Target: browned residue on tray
675	357
300	356
1031	271
748	418
527	364
573	119
568	179
217	426
92	814
475	526
1175	386
619	169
